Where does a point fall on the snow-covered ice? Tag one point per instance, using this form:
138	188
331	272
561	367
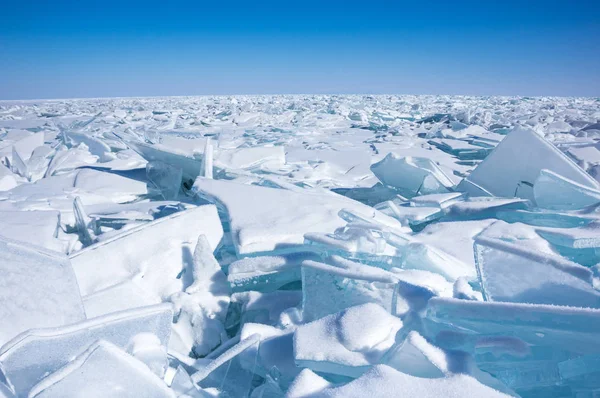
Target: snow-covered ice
300	246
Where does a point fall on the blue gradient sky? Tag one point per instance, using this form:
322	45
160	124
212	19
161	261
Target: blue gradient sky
66	49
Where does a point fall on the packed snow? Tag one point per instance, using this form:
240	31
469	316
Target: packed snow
300	246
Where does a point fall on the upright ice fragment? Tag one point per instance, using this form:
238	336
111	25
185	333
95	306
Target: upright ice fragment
207	160
37	289
514	165
102	370
412	176
164	179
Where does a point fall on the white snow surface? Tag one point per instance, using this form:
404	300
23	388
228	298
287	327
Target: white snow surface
300	246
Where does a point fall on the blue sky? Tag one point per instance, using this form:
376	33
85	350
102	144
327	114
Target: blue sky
67	49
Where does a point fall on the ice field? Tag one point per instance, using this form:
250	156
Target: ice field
300	246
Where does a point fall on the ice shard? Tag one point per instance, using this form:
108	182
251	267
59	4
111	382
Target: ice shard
164	179
514	165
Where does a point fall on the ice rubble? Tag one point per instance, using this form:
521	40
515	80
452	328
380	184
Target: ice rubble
300	246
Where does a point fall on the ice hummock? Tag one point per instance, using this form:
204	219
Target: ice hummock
411	246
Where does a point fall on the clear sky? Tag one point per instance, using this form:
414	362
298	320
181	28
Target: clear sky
66	49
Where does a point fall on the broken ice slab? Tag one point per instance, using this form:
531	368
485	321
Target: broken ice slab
510	270
411	176
252	157
417	357
582	373
416	217
155	254
383	381
514	165
257	307
123	296
584	237
460	324
164	179
543	218
276	350
553	191
95	145
441	200
346	343
117	188
190	166
104	368
36	227
25	146
369	196
8	180
266	273
520	344
460	149
83	223
307	384
480	207
328	289
31	355
227	373
419	255
37	289
331	288
279	218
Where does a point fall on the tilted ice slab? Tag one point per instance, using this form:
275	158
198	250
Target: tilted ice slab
328	289
154	253
553	191
514	165
268	219
383	381
511	271
37	289
30	356
453	323
102	370
189	165
38	228
411	175
117	188
346	343
244	158
266	273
